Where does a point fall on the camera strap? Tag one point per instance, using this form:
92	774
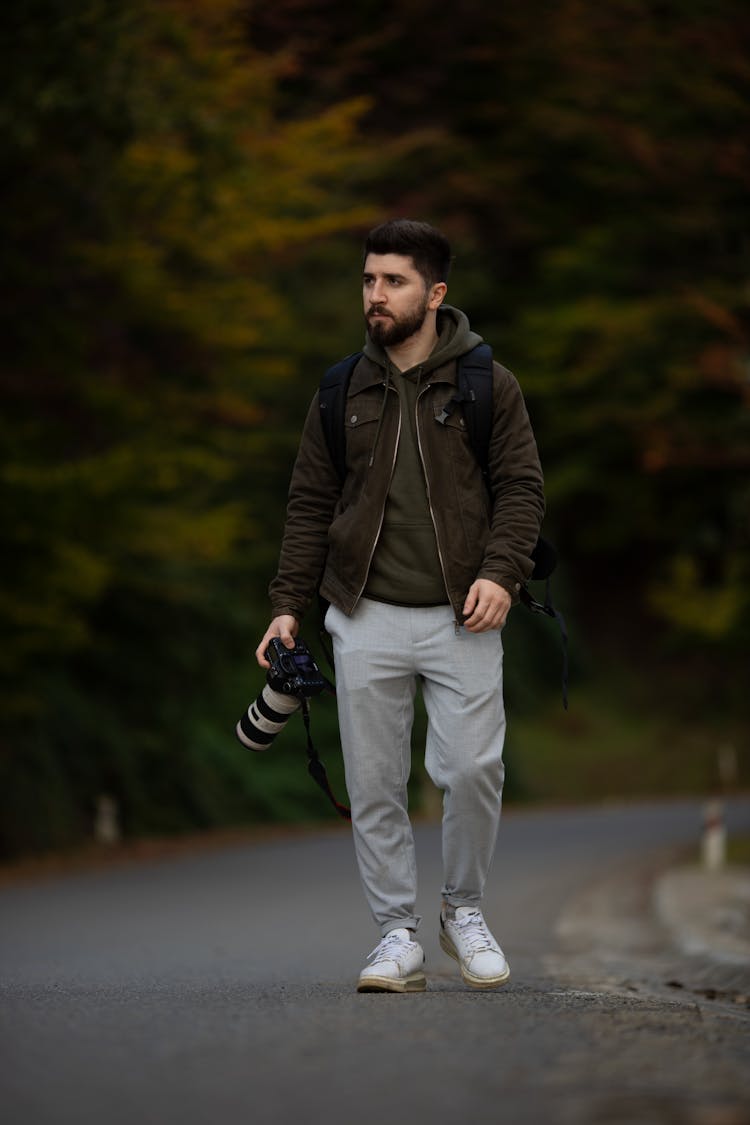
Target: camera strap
315	767
547	608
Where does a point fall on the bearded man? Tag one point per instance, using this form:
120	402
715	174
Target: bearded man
421	559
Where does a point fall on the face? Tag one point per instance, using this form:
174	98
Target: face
396	298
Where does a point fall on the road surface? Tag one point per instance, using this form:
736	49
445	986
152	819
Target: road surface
218	986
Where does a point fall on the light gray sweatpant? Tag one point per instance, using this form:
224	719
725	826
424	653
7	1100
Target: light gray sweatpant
380	651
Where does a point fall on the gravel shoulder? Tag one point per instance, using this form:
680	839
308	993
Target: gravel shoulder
660	926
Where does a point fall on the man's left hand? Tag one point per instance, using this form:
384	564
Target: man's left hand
486	606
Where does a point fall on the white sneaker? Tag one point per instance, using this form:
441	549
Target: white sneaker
467	938
395	965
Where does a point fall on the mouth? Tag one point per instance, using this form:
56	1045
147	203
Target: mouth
378	315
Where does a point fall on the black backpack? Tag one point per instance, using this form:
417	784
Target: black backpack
474	396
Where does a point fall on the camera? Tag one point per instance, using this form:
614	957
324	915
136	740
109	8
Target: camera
293	670
293	677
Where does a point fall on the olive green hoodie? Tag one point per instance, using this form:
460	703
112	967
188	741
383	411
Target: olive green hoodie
405	567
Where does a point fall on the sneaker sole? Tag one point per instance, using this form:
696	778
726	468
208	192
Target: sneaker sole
448	947
417	982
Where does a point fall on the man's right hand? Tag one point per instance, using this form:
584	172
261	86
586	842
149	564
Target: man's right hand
285	627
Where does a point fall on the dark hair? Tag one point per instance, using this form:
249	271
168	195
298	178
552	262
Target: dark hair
427	247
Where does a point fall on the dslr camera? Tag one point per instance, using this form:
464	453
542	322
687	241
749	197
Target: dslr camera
293	670
293	677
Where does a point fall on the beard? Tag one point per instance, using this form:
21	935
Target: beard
389	333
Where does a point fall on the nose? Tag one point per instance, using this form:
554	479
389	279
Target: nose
377	293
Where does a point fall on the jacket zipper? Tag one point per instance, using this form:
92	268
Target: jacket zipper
382	511
456	622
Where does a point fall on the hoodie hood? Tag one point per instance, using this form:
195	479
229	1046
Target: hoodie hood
455	338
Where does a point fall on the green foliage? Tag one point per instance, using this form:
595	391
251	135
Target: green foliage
157	200
590	165
186	184
604	751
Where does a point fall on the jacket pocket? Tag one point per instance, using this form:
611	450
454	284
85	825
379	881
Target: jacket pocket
361	411
360	426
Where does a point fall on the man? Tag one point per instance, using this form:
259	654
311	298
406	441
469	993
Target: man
421	563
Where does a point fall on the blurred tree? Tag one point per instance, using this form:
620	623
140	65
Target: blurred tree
152	195
182	181
591	165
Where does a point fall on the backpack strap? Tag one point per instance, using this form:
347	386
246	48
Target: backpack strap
474	396
475	387
332	393
332	401
547	608
544	557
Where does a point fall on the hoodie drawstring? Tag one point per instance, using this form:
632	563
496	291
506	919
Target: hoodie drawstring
386	385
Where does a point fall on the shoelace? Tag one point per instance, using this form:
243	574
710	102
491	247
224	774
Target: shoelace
474	932
386	949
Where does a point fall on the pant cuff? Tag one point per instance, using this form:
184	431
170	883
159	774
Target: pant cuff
411	923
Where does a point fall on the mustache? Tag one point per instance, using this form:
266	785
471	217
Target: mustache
378	312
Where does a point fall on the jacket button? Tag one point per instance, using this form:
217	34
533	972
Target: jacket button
353	419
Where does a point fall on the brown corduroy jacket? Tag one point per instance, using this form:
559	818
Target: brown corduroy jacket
331	530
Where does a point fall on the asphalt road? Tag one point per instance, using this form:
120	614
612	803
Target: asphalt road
219	986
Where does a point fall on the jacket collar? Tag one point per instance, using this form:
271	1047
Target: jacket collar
367	374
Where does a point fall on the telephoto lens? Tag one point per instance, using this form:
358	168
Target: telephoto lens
266	717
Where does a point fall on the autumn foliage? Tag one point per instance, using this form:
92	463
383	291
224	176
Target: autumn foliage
186	188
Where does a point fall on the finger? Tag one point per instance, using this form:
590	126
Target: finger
483	605
476	620
260	652
286	630
478	623
489	615
470	605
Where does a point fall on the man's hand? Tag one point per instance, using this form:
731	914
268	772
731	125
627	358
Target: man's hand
285	626
486	606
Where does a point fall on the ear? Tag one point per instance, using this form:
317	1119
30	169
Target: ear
437	295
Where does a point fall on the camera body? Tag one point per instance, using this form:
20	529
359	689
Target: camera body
292	677
293	670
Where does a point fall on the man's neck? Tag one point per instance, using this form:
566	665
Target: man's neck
416	348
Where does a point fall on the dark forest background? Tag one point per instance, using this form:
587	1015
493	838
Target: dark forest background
186	189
